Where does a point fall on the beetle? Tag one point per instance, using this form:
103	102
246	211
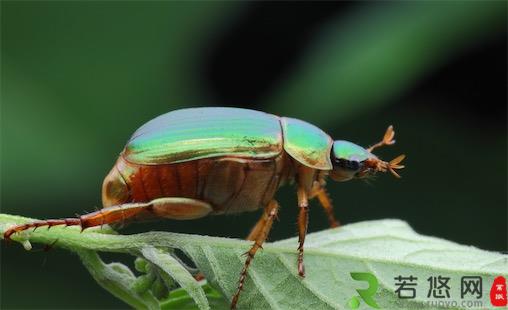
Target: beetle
195	162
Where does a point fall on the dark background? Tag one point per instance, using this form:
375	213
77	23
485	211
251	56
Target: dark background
78	78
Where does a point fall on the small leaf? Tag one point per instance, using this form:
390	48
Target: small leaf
159	289
180	299
172	267
117	279
143	283
141	264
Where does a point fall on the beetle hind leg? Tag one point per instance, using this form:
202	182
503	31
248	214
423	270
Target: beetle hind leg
178	208
258	235
49	223
107	215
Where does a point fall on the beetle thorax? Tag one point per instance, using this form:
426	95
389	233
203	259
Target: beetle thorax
114	189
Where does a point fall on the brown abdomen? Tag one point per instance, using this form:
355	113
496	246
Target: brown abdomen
228	184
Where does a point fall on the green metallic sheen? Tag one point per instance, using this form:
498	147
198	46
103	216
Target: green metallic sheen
190	134
349	151
307	143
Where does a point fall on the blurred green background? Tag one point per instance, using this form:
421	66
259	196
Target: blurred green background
77	78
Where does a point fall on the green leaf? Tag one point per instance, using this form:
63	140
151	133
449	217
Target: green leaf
181	300
173	268
117	279
385	249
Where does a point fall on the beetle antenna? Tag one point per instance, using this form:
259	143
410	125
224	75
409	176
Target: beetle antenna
394	165
387	139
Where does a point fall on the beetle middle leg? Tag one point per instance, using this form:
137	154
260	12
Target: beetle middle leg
265	225
303	223
260	225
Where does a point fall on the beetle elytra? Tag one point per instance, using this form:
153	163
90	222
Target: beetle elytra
191	163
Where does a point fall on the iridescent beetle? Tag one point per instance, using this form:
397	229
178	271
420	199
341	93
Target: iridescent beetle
191	163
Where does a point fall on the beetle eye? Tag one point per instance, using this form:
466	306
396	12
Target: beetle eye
354	165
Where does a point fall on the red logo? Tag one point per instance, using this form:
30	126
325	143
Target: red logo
498	292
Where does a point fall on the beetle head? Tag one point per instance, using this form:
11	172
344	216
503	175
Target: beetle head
353	161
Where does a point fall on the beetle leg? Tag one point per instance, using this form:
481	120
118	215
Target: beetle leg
258	228
173	208
271	212
97	218
326	202
22	227
303	222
